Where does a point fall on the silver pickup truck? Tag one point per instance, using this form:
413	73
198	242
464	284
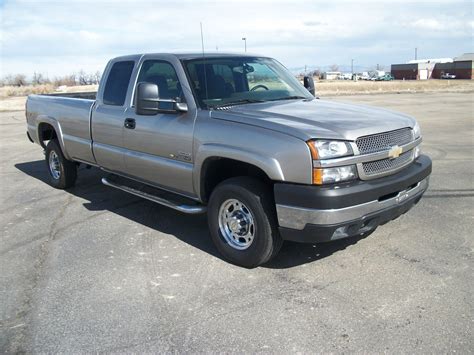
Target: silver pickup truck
238	137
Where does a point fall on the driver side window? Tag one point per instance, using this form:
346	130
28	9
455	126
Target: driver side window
162	74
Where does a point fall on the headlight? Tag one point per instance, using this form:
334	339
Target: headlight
331	175
416	130
329	149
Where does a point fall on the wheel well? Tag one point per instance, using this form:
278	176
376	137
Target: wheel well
216	170
46	132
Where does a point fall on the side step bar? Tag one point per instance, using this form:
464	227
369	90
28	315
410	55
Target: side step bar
152	193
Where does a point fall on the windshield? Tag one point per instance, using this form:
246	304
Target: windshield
237	80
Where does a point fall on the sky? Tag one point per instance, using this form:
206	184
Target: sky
62	37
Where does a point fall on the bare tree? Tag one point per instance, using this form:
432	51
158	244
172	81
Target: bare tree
68	80
82	78
37	79
19	80
334	67
316	72
7	80
97	77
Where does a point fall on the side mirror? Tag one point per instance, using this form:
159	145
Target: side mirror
308	83
147	99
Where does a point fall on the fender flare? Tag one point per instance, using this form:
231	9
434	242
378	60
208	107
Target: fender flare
57	127
268	165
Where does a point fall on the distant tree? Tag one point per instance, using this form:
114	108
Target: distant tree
334	67
97	75
19	80
316	72
37	79
82	77
7	80
68	80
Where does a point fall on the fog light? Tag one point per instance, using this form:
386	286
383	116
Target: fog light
332	175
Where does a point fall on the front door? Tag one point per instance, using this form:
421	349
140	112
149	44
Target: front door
158	149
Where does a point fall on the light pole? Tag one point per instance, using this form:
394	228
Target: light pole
245	43
352	66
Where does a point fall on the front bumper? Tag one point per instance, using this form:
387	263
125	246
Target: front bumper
318	214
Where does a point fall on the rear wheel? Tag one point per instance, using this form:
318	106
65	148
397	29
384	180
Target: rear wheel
62	172
242	221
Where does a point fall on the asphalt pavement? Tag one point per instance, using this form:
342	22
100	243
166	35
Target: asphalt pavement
94	269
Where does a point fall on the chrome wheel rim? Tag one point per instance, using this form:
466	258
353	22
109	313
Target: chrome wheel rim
54	165
236	224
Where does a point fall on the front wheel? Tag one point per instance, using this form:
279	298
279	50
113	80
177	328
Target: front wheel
242	221
62	172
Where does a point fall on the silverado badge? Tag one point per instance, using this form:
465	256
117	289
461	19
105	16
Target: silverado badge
395	152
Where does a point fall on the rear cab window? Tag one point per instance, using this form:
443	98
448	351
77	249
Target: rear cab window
117	83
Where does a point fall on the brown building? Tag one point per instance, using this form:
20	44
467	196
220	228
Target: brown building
412	71
462	67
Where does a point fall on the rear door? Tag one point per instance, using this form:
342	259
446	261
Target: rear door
159	147
109	115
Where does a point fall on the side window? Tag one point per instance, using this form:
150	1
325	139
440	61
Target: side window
117	83
162	74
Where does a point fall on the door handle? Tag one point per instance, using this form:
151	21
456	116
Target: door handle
129	123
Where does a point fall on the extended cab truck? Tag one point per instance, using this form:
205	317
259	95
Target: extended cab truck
239	137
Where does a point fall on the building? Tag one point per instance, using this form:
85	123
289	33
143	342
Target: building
423	69
331	75
420	69
462	67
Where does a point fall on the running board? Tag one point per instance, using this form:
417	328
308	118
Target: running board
150	193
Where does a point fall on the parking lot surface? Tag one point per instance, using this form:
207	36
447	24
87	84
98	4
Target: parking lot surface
94	269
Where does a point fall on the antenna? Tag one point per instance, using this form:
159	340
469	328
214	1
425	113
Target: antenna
204	62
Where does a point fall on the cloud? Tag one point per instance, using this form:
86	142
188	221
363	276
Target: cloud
60	37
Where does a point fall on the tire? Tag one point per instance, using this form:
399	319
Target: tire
256	206
62	172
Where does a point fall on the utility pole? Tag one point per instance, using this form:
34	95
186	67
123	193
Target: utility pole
245	43
416	53
352	66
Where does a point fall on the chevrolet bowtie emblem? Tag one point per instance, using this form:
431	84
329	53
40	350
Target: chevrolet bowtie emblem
395	152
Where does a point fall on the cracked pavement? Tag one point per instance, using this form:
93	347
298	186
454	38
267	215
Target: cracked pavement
94	269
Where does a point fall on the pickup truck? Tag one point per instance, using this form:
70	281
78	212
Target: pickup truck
238	137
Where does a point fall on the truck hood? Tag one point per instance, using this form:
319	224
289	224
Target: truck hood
316	118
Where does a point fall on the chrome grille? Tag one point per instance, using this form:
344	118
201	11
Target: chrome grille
387	165
384	141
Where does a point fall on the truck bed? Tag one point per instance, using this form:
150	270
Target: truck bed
69	114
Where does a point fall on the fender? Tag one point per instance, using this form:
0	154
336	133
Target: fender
269	165
57	127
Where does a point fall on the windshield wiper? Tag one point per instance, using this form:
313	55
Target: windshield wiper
291	98
237	102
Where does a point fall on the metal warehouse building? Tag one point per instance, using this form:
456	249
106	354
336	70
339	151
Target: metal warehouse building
424	69
462	67
413	71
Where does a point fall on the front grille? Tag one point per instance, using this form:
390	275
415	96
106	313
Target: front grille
384	141
386	165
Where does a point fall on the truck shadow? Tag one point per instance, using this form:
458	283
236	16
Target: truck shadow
191	229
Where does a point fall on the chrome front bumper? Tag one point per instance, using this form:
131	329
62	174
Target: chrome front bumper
297	218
